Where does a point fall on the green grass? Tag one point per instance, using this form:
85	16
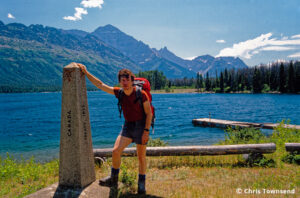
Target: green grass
20	178
179	176
280	136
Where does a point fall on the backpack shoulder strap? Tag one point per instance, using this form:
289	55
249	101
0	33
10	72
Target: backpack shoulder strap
138	92
120	97
139	97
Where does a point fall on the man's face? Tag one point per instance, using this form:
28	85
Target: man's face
126	82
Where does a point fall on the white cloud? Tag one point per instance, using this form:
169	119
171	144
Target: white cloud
80	11
92	3
264	42
77	16
220	41
296	55
277	48
296	36
9	15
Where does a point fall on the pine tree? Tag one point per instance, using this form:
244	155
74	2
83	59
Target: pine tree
207	82
201	81
274	78
198	81
297	77
221	83
282	80
257	86
229	83
226	78
291	79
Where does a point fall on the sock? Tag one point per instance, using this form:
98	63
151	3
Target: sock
142	178
115	171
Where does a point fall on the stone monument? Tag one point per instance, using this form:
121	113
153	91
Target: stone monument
76	168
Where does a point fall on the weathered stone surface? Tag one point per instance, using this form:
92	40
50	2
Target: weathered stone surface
76	167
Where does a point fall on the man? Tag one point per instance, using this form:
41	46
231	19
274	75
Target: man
135	129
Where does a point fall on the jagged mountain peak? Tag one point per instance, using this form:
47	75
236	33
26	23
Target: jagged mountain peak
107	29
163	49
166	51
148	58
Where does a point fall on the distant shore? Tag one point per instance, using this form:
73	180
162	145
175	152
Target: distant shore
190	90
161	91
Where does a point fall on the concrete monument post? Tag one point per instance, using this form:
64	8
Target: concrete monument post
76	168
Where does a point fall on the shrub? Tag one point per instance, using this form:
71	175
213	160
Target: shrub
257	159
156	142
292	158
266	88
128	178
243	135
282	135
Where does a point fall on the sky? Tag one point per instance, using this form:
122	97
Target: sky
257	31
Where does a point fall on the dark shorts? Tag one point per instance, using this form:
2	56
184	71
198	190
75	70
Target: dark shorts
133	130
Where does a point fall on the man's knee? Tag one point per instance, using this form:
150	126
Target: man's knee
117	151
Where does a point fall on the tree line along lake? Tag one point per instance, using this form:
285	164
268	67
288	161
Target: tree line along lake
30	122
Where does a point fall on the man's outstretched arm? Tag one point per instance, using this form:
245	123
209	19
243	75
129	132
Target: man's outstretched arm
98	83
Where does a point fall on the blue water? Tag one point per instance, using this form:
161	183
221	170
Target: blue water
30	122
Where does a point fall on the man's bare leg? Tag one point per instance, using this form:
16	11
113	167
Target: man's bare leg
120	144
141	153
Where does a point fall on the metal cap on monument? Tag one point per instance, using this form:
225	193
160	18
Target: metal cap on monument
76	168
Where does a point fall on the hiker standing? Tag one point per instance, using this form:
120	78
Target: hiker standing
138	119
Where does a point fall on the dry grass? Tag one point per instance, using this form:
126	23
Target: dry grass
207	176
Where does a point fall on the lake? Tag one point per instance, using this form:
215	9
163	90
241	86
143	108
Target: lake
30	122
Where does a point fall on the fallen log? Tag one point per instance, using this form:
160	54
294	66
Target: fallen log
292	147
194	150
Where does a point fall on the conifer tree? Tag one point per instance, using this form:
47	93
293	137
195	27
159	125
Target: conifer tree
221	83
297	77
291	79
257	86
282	79
207	82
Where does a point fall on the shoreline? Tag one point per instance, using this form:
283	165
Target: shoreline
163	91
191	90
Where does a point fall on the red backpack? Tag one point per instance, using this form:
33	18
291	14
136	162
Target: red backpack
140	84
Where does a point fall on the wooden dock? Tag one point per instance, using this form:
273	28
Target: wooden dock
208	122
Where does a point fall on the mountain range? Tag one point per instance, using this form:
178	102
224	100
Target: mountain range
34	55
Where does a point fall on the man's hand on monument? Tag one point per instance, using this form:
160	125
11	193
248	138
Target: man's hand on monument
82	67
145	137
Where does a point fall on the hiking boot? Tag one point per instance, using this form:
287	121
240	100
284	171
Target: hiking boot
141	188
109	181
